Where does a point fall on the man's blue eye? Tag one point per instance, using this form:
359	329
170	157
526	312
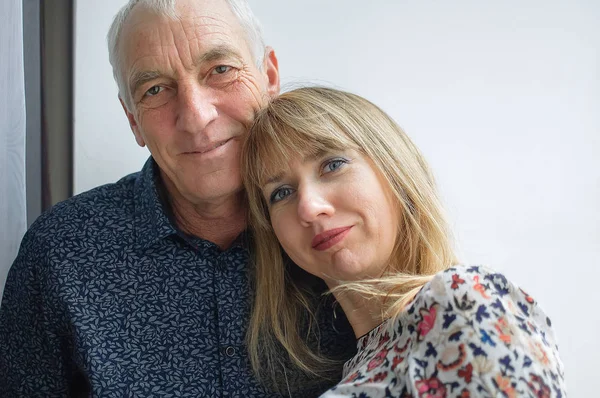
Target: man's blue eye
333	165
154	90
221	69
280	194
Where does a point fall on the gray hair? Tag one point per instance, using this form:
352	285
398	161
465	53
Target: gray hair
240	8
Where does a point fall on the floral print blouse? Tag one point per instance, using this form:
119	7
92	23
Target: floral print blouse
468	333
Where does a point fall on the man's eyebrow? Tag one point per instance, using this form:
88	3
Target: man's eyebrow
217	53
140	78
220	52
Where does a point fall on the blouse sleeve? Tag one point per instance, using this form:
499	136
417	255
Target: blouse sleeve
480	335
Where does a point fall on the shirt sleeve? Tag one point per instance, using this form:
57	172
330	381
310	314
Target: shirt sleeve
480	335
32	346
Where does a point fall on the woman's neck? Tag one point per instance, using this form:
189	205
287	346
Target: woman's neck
363	314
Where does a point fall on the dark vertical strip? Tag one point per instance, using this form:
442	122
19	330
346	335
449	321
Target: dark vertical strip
71	93
45	164
57	100
33	104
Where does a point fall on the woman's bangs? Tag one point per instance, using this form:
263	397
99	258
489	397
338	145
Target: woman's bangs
286	143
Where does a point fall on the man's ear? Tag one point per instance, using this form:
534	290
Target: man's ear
271	68
133	124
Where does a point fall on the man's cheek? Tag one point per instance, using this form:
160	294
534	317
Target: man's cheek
257	95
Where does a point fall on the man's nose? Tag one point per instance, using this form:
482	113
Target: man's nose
196	108
313	204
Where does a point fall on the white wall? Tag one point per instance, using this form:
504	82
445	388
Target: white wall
13	221
502	97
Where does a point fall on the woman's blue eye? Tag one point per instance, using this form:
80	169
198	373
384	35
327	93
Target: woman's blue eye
280	194
333	165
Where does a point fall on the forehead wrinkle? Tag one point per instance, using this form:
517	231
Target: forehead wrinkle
226	24
184	36
228	27
211	24
142	52
201	27
197	30
181	44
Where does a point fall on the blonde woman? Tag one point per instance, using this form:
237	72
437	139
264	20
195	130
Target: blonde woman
338	188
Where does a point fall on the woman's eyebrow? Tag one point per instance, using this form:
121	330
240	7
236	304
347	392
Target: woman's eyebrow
308	158
273	179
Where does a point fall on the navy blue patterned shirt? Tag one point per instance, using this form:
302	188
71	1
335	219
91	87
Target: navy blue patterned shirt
108	299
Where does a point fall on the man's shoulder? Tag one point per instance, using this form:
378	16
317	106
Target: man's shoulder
108	194
114	202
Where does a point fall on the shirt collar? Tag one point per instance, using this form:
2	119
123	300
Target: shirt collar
151	219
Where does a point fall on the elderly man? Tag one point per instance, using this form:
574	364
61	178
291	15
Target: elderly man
141	288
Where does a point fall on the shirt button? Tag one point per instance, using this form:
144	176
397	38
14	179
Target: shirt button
230	351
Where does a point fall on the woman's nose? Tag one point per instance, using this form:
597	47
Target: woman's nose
313	204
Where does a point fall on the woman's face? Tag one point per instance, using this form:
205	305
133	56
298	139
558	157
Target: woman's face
334	215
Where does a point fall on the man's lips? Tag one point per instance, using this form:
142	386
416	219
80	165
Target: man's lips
207	148
329	238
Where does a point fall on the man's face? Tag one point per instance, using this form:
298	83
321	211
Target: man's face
194	90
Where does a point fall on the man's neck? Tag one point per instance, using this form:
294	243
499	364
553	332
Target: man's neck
219	224
219	221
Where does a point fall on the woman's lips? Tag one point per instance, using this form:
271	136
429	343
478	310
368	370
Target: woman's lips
329	238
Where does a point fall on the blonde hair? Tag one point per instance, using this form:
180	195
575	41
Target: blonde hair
307	121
